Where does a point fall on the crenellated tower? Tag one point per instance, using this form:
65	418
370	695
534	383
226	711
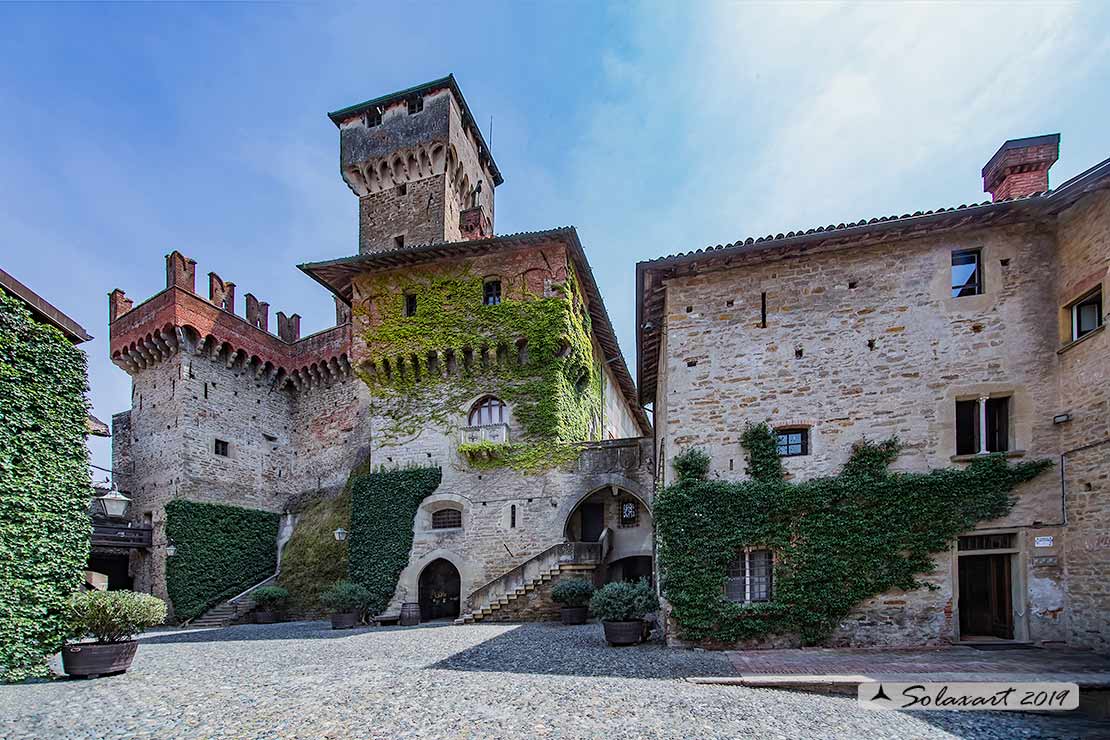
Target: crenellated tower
418	163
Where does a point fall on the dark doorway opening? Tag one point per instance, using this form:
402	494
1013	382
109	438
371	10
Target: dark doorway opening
115	567
632	568
439	591
986	597
593	521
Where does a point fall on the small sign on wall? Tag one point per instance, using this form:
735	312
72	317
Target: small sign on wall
1043	541
1042	561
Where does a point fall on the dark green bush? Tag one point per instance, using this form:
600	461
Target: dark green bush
572	592
691	464
624	601
270	597
44	488
346	597
383	506
837	540
221	551
114	616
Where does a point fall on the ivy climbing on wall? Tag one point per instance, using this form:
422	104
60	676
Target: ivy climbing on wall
532	351
44	488
837	540
383	507
313	560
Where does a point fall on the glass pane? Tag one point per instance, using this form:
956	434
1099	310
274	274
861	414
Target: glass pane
734	589
965	274
967	427
1087	317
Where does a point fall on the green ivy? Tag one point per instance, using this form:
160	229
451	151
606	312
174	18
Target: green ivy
837	540
220	551
383	507
313	560
44	487
555	395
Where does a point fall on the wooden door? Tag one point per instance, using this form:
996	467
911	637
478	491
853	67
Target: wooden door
1002	616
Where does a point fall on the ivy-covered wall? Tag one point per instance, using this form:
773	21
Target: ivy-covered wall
837	540
383	506
313	559
533	350
44	487
220	551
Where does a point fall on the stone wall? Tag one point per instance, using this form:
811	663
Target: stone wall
414	211
868	342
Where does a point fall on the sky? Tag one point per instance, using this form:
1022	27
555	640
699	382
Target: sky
128	131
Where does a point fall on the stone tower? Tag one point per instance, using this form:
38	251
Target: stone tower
418	163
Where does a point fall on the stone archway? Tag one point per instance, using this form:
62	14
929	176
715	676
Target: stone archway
438	591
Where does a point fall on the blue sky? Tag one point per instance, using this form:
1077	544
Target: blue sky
128	131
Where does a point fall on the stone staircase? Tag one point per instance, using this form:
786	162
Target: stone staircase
231	610
500	594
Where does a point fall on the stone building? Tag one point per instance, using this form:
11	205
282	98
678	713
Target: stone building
962	331
491	357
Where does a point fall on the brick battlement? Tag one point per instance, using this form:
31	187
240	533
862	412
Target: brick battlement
177	319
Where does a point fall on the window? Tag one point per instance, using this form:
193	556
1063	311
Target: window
488	410
410	304
512	516
983	425
1086	315
447	519
630	514
415	105
403	189
750	576
399	241
1002	541
222	448
967	273
793	442
373	118
491	292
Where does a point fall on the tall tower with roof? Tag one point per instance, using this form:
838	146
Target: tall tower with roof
418	163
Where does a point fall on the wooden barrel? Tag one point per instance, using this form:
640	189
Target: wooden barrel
410	613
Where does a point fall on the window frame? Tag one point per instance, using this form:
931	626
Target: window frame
415	104
979	286
481	404
1095	296
487	284
410	305
744	559
803	443
216	446
998	432
449	511
624	522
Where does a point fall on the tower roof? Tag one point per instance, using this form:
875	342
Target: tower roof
444	82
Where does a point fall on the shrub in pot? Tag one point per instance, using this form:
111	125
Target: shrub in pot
346	601
268	602
573	596
113	618
621	607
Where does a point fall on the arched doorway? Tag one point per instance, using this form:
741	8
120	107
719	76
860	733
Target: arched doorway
439	591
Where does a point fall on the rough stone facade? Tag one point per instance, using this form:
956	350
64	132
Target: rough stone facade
224	410
850	340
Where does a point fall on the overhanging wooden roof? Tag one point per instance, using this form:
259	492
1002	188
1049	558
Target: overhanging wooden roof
336	275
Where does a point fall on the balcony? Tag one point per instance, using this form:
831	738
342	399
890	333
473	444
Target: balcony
492	433
120	535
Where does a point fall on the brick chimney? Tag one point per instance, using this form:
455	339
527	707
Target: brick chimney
1020	167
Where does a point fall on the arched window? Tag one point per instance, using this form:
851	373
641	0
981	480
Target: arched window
488	410
447	519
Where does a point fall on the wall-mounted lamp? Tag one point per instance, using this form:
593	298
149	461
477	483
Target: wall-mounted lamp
340	534
1061	418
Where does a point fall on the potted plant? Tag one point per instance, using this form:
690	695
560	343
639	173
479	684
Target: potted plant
621	607
268	601
346	601
573	596
113	618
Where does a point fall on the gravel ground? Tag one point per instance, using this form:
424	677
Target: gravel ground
302	680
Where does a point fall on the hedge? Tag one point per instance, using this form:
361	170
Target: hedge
838	540
220	551
44	487
383	507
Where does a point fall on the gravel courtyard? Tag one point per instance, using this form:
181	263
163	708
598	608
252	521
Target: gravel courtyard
302	680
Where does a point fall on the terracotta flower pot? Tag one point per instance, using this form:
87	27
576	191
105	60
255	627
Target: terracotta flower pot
573	614
624	633
92	659
264	616
344	620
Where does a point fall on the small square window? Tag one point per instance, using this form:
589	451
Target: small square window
222	448
967	273
792	442
416	105
373	118
630	514
491	292
403	189
410	304
1086	315
969	416
399	241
